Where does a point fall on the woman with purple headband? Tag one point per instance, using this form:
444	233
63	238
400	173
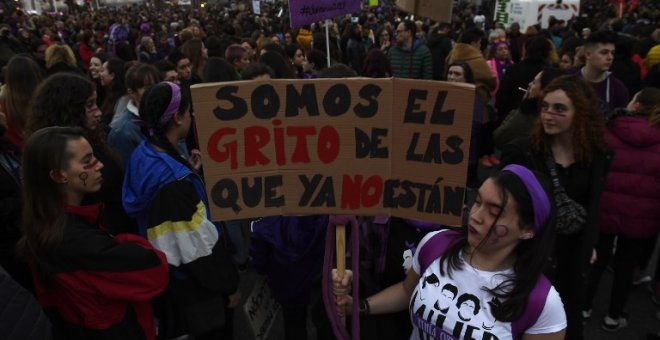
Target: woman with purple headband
163	191
484	280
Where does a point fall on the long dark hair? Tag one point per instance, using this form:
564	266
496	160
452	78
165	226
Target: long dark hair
60	101
279	64
153	105
193	49
531	254
43	199
22	76
116	90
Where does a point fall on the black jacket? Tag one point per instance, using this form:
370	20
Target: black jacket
440	46
21	316
520	152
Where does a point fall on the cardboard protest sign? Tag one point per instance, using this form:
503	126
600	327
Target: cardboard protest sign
305	12
439	10
261	309
335	146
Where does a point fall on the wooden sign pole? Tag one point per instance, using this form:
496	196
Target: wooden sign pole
340	237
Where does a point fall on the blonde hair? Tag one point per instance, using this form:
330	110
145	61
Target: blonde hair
58	53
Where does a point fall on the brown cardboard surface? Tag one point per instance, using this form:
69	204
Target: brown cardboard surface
439	10
278	178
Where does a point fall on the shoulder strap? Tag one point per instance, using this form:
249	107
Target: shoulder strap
436	247
534	307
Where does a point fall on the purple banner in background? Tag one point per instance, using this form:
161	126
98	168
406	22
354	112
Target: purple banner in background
305	12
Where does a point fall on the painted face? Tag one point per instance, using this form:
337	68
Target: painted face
95	66
557	113
566	62
484	216
601	58
534	86
83	173
92	113
298	58
105	76
456	74
502	52
183	69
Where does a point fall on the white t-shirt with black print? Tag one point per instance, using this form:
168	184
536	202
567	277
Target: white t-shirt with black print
457	308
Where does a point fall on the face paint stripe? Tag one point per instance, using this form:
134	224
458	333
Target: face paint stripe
91	165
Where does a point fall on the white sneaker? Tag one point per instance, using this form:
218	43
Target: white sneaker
612	325
586	314
641	278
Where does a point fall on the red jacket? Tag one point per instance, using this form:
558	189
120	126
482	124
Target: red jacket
86	53
630	203
97	277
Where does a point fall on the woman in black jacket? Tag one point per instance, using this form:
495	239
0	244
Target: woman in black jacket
570	134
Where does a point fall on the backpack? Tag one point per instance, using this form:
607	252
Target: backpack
436	246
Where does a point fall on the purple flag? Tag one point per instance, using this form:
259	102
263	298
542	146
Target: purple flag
305	12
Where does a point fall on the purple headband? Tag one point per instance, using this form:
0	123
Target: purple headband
175	102
540	200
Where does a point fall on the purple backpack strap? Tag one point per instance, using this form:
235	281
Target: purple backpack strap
436	246
535	305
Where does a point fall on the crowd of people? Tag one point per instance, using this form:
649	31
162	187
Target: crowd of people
105	229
